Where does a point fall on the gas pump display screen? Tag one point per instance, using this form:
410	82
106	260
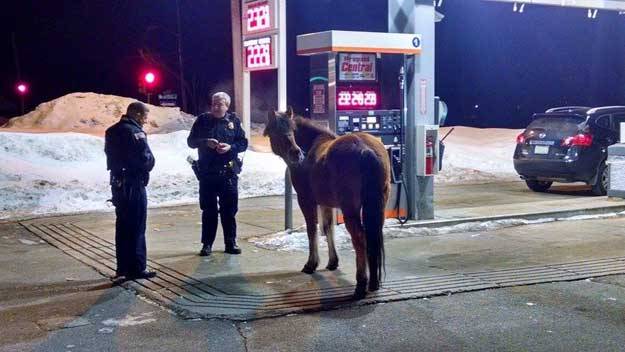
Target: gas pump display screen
357	98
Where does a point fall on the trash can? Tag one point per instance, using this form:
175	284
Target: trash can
616	171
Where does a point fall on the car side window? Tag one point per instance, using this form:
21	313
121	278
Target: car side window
604	122
617	119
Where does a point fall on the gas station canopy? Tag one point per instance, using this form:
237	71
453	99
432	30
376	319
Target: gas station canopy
612	5
362	42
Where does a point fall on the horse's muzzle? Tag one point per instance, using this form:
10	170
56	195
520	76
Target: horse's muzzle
296	157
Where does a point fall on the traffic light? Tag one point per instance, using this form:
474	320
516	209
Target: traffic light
21	89
149	80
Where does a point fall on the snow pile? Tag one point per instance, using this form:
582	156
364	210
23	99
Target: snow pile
298	240
94	113
66	172
478	155
472	155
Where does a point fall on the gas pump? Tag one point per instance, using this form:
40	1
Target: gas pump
350	91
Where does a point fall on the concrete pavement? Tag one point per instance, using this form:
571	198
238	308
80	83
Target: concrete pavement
44	289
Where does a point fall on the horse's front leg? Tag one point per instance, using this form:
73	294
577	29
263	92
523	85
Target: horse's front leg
310	214
354	226
327	221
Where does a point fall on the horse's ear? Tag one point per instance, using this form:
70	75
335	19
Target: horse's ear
289	112
271	116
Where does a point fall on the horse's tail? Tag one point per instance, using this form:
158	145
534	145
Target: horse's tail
373	194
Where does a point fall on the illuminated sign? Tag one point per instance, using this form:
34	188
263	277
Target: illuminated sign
357	98
260	53
357	67
318	99
259	16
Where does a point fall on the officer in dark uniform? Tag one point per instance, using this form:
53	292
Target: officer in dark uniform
219	138
130	160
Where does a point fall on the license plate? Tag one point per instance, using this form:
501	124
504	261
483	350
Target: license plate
541	149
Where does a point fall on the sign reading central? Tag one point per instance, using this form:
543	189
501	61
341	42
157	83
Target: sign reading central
357	67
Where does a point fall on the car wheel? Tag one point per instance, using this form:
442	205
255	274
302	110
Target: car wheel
538	186
600	188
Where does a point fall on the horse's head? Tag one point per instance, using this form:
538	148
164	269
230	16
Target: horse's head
281	132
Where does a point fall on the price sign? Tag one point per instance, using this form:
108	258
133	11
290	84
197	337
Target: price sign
357	98
260	53
259	16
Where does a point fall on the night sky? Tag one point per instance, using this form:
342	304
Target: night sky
508	64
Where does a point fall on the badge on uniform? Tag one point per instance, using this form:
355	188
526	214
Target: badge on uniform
230	125
139	135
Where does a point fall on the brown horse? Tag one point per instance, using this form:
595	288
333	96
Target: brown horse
351	173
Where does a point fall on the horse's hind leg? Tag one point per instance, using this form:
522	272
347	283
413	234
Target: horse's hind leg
357	233
327	220
310	214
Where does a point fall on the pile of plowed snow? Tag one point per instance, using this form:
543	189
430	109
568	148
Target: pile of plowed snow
44	173
93	113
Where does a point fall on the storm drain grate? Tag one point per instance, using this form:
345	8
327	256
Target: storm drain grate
195	298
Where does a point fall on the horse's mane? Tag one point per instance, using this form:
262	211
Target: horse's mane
307	133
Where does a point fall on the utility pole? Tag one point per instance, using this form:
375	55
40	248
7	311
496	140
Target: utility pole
183	86
16	57
22	88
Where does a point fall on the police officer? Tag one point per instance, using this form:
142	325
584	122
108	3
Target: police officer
130	160
219	138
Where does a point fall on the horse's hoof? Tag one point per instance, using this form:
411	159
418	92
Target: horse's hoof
374	286
359	294
308	270
332	266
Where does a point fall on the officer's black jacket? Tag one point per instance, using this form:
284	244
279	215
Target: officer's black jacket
127	151
225	130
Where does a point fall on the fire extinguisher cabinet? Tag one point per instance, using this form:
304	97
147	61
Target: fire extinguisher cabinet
427	150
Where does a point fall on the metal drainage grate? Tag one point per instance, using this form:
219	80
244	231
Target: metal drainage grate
194	298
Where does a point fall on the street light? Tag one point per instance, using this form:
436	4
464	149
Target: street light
149	78
22	90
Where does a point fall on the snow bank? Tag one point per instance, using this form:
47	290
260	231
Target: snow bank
66	172
42	173
93	113
478	155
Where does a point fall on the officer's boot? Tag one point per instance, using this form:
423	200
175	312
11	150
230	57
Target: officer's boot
233	249
206	250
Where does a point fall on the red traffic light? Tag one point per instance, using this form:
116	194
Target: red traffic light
21	88
149	78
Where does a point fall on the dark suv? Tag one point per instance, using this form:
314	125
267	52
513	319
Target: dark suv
568	144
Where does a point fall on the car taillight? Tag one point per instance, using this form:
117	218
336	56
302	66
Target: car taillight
520	139
581	140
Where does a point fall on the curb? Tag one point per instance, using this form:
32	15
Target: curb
526	216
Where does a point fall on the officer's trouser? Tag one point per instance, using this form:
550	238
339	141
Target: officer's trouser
130	202
224	188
